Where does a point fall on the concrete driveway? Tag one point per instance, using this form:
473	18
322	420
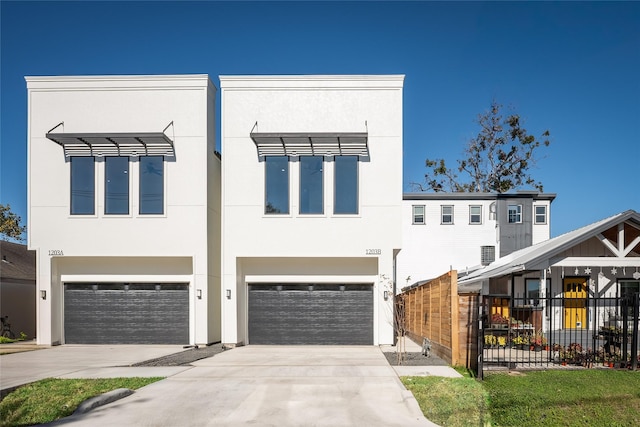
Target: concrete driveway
22	368
270	386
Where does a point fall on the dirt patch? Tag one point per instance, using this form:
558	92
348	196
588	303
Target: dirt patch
414	359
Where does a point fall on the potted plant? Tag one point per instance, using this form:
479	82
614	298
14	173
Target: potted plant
502	341
520	342
538	341
489	341
498	321
575	353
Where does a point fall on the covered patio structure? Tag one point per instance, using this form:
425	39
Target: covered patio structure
575	294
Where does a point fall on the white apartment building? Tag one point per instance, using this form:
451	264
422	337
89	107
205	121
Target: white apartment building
311	212
465	231
124	209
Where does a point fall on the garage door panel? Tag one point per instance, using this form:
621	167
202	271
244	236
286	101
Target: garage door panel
332	314
126	314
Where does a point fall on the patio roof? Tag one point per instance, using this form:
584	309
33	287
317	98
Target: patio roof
547	254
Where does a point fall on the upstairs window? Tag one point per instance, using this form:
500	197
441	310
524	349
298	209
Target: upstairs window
418	215
276	185
83	186
345	185
447	214
475	214
152	185
540	214
116	185
311	185
515	214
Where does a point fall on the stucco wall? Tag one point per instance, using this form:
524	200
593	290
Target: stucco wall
117	104
309	104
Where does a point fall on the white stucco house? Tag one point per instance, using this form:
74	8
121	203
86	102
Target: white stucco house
466	231
311	208
124	209
143	235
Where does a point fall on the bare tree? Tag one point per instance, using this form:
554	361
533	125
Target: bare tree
400	327
498	159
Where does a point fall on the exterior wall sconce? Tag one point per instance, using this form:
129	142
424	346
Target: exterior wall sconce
43	294
228	293
199	293
386	295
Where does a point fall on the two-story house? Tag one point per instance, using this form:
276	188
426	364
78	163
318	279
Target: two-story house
143	234
311	216
124	209
466	231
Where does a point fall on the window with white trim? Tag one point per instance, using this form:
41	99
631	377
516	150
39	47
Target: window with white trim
540	214
418	215
276	185
514	214
446	214
116	185
311	188
311	185
83	185
151	185
345	185
475	214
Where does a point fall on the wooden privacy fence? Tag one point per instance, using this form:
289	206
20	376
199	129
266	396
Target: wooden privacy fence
436	311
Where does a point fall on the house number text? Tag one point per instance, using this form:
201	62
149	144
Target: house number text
55	252
373	251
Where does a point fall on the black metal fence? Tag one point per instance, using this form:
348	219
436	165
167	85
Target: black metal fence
520	333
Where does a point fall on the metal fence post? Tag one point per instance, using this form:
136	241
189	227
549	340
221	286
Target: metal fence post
480	338
634	339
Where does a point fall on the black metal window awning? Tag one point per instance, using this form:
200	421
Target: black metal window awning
113	144
311	144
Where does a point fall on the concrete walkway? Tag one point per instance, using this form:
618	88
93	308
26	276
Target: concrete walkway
418	371
259	385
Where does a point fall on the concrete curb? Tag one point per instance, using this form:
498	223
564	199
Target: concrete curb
103	399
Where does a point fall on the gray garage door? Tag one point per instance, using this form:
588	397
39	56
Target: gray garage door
310	314
126	313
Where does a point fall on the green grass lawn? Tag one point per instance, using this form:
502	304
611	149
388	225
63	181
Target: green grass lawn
450	401
595	397
50	399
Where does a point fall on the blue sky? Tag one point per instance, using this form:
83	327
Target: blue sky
570	67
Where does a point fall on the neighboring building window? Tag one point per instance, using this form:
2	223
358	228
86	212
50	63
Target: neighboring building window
532	293
346	185
475	214
628	289
447	214
276	185
515	214
311	185
487	254
418	214
541	214
152	185
83	186
116	185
